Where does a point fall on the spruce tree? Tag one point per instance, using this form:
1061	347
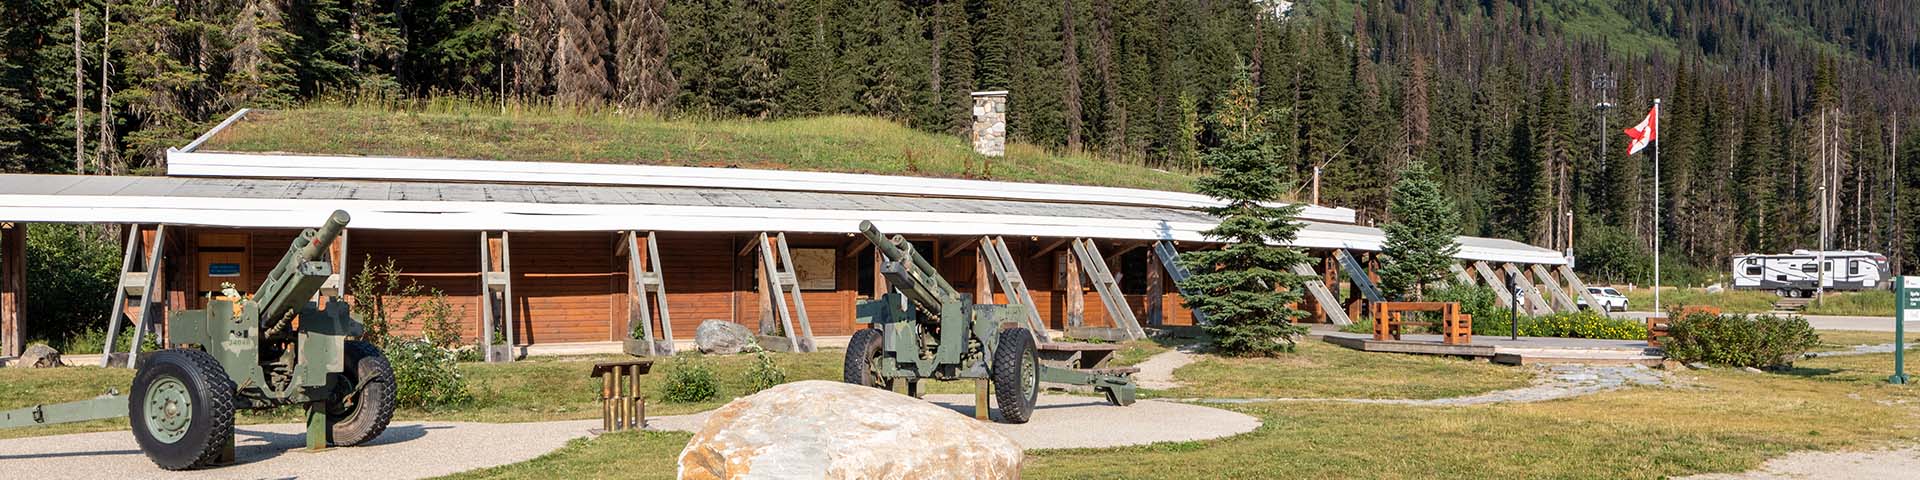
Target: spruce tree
1236	285
1420	238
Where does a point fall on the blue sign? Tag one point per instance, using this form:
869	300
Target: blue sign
223	269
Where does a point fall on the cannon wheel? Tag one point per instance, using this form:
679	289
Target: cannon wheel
1016	375
360	416
862	365
181	408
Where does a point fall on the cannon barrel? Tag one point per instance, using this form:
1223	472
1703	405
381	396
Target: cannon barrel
296	278
928	287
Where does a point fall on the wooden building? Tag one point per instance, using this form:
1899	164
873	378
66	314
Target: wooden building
563	254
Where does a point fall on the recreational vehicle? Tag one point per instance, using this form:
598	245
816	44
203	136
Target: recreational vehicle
1799	273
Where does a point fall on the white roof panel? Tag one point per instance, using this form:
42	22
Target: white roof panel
481	206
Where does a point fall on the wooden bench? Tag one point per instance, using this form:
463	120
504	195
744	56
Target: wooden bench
1389	319
1076	355
1659	325
622	407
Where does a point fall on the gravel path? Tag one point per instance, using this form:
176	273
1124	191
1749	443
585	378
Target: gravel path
407	450
1861	350
1798	465
1550	383
1066	421
1157	372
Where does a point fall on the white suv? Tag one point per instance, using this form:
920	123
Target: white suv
1610	300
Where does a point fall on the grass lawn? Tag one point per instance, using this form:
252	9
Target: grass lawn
1323	370
1871	303
453	129
1846	339
1717	420
1729	301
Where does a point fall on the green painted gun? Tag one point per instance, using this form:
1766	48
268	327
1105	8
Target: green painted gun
925	329
273	348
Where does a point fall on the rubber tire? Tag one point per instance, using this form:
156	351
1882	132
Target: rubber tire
357	424
212	395
863	352
1014	352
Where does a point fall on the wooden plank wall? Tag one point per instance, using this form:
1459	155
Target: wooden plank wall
449	261
570	286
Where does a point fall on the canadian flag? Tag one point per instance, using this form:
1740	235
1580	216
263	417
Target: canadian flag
1645	132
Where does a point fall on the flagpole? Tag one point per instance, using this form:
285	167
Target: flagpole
1656	206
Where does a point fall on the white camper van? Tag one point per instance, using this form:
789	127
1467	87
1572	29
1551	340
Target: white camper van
1795	274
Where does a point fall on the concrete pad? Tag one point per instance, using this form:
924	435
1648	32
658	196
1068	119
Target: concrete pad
1065	421
406	450
1900	463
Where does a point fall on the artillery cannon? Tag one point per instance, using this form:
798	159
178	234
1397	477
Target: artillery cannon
272	348
924	329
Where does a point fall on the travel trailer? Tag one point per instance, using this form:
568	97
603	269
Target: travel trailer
1795	274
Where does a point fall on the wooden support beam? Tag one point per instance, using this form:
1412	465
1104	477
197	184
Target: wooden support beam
487	313
1076	296
1156	290
1048	248
1460	274
119	309
859	242
1124	248
1494	280
13	282
1574	283
1557	295
1322	298
955	252
982	279
1535	303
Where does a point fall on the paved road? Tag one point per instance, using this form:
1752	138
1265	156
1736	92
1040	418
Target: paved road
1823	322
406	450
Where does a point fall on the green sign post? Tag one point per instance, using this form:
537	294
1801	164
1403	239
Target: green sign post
1906	295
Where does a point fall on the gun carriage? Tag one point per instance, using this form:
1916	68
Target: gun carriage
274	347
924	329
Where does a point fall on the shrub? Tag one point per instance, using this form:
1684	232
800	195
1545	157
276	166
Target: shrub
1582	324
1763	341
427	375
763	374
426	367
1475	300
688	382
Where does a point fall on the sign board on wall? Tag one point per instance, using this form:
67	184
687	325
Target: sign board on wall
815	267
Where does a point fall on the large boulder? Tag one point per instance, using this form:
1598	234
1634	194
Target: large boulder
40	355
833	430
720	337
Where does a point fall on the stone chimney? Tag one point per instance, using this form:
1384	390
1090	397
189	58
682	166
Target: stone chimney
990	123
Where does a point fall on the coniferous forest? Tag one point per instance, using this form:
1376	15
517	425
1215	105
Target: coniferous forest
1516	106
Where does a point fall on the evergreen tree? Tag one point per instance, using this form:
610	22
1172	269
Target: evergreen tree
261	75
640	52
956	71
1246	288
1420	238
580	67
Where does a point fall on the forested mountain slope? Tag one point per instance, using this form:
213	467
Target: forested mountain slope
1767	101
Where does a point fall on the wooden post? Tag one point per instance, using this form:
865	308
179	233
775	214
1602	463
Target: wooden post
982	280
980	387
760	277
1156	290
879	281
1076	298
13	282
